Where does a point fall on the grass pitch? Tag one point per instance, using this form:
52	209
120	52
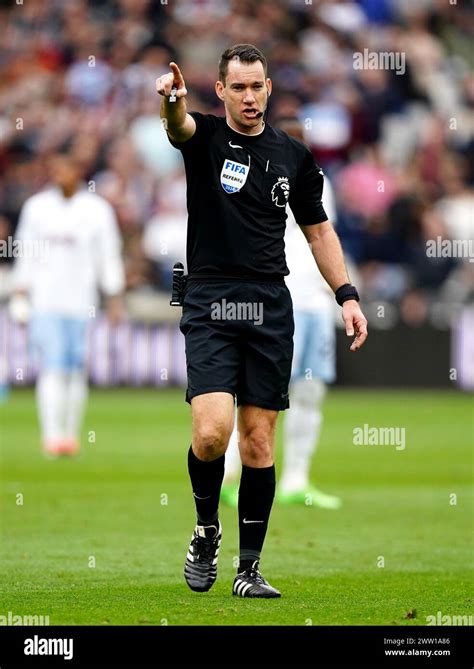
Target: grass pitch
101	540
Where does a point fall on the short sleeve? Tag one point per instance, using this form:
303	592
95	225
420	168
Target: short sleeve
111	270
305	198
205	124
24	267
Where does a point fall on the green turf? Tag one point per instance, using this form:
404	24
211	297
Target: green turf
126	502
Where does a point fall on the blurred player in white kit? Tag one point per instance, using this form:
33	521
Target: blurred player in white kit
82	249
314	366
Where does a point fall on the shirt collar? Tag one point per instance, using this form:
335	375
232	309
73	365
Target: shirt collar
243	134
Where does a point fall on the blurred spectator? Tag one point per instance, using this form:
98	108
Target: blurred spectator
164	239
126	184
89	81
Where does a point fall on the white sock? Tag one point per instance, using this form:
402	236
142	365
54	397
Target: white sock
302	426
51	391
232	456
75	402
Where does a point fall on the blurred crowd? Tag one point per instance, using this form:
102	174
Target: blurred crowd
80	75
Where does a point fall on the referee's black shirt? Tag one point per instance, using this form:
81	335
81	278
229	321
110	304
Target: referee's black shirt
237	190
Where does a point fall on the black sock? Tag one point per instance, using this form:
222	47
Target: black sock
256	493
206	481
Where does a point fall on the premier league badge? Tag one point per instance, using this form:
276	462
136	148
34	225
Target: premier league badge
281	192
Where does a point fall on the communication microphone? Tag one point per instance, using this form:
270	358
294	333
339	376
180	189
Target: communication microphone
178	285
265	111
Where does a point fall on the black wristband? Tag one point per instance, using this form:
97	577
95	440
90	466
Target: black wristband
346	292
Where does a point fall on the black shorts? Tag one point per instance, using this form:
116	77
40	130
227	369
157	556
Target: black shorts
239	339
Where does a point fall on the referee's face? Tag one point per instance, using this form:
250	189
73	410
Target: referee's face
244	93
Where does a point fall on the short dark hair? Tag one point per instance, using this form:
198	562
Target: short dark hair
247	53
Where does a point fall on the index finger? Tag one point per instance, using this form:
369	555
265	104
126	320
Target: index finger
176	71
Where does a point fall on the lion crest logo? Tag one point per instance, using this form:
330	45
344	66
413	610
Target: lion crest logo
281	192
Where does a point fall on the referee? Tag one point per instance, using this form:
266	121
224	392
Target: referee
237	313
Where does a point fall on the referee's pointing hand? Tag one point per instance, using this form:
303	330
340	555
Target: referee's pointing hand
173	79
355	322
